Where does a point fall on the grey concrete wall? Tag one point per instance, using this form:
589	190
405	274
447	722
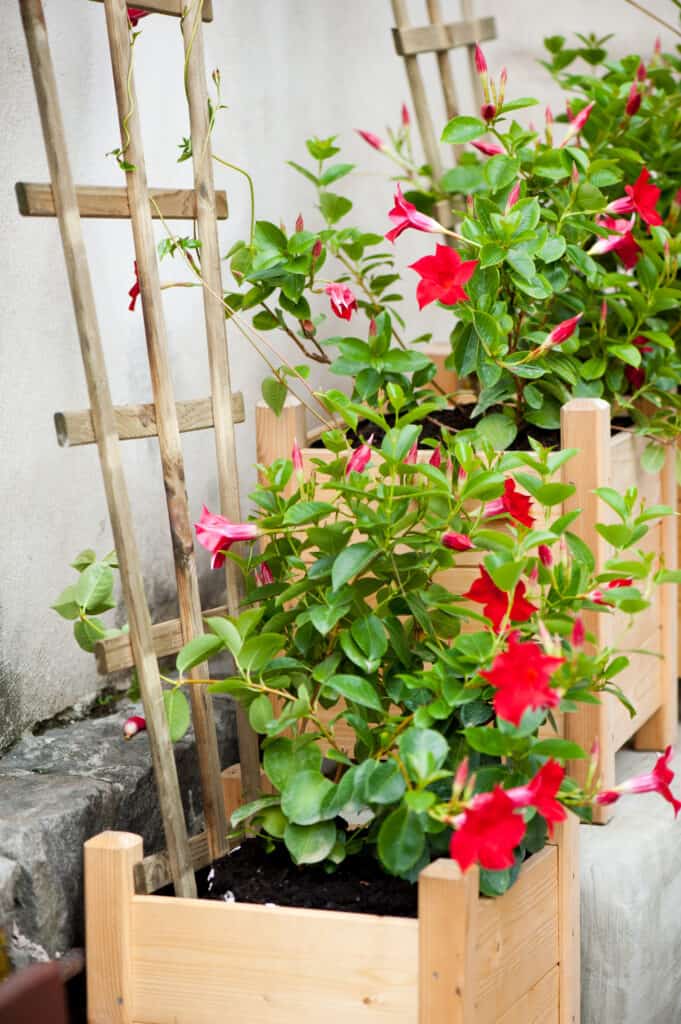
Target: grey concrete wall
291	68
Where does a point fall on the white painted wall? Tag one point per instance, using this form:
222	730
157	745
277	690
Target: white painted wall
291	68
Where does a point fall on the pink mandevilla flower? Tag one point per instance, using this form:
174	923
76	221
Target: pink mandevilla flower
564	330
359	458
296	456
217	534
457	541
656	781
134	292
641	197
343	301
405	215
263	575
488	148
373	140
621	240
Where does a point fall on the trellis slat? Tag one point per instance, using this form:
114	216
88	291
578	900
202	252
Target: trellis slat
35	199
168	430
116	654
109	449
435	38
175	8
136	421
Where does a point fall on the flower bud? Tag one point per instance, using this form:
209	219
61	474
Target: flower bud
456	541
604	311
406	120
545	555
641	72
480	62
634	101
436	459
373	140
308	328
263	575
317	249
503	79
513	197
296	456
300	223
411	458
133	725
488	112
372	328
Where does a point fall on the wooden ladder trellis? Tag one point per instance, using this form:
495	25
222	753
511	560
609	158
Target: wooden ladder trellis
106	425
440	38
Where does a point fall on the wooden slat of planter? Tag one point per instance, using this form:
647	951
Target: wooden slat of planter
104	202
448	961
411	41
626	470
566	842
170	446
265	964
644	689
173	7
120	515
116	654
135	421
541	1005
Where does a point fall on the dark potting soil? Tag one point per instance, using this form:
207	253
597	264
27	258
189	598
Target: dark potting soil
357	885
455	419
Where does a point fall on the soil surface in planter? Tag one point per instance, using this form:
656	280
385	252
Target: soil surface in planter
452	420
251	875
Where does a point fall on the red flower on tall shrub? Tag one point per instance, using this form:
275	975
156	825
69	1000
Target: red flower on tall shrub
217	534
134	15
496	601
511	503
621	241
443	277
487	832
641	197
343	301
540	793
521	676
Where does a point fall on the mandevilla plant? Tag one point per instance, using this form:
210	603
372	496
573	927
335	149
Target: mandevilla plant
352	624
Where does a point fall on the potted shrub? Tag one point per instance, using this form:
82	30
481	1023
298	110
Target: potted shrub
349	624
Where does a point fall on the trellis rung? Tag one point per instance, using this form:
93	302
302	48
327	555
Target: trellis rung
153	873
174	7
435	38
115	654
135	421
37	200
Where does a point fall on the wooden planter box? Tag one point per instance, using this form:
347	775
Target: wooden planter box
466	960
603	460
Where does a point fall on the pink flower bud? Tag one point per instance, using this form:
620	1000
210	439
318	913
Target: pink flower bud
263	575
604	311
582	117
373	140
545	555
435	459
406	120
503	79
574	175
461	777
456	541
488	111
563	330
549	117
488	148
308	328
297	456
641	72
480	62
372	328
300	223
317	249
634	101
133	725
359	458
513	196
411	458
470	205
658	45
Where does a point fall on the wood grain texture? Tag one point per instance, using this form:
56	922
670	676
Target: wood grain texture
135	421
444	67
233	788
109	862
109	449
172	7
439	37
585	426
107	203
566	840
216	336
153	873
116	654
448	903
539	1005
275	435
166	413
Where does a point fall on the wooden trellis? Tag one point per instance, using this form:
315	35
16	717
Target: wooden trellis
107	425
440	38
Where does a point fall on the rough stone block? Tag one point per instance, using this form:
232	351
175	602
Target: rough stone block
631	894
66	785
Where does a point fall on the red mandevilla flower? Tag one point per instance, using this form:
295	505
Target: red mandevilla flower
343	301
488	148
496	602
657	781
443	277
578	632
133	725
621	241
521	677
217	534
512	503
134	15
564	330
134	292
435	459
263	575
641	197
374	141
540	793
487	832
633	100
598	595
457	541
359	458
405	215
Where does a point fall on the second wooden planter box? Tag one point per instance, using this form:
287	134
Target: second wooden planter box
603	460
466	960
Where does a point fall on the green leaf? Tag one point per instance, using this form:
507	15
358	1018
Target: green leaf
274	392
350	562
370	636
269	238
385	784
82	560
177	713
87	632
66	604
653	458
261	713
94	587
401	841
258	651
310	844
248	810
333	207
334	172
566	750
265	321
463	129
423	752
491	254
303	797
304	171
520	104
355	689
307	512
198	650
282	759
498	430
227	631
488	741
500	171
